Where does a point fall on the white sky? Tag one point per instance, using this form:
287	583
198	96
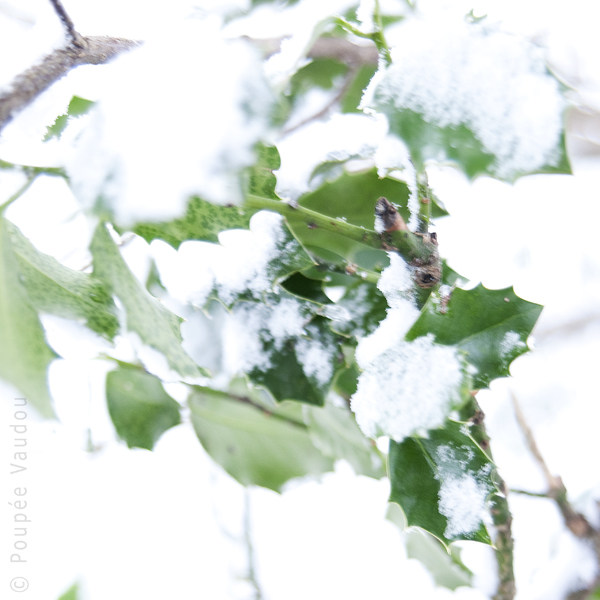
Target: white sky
134	524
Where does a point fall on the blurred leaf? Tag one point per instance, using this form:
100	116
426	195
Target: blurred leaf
202	221
450	276
156	326
255	446
335	433
24	354
320	72
353	97
303	287
302	369
260	179
446	570
491	326
441	482
139	407
77	107
427	140
54	289
351	197
361	309
71	594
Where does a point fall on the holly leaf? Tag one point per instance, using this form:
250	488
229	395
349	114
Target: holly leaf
156	326
57	290
442	483
139	407
300	368
254	445
304	287
24	354
359	311
202	221
451	109
351	197
335	433
490	326
77	106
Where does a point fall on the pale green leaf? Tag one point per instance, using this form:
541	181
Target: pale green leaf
24	354
156	326
254	445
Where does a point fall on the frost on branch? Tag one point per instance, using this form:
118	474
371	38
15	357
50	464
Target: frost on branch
480	96
179	117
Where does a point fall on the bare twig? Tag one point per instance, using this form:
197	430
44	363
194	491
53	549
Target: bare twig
252	578
76	38
575	521
323	112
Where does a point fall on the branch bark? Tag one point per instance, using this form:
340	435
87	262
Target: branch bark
27	86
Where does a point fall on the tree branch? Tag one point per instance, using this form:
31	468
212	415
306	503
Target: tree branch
76	38
27	86
575	521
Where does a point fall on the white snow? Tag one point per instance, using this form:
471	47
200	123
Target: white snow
239	264
315	357
408	389
395	283
509	343
206	103
365	14
493	82
462	502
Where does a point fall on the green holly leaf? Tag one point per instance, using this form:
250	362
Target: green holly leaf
54	289
359	311
307	288
24	354
455	109
71	594
139	407
256	446
77	107
156	326
490	326
442	483
202	221
299	368
335	433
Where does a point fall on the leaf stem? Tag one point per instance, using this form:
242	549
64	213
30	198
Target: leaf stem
379	39
407	244
424	200
19	192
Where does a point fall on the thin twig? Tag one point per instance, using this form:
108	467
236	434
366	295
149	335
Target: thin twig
76	38
575	521
252	578
323	112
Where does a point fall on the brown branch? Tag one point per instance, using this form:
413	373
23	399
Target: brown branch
76	38
575	521
27	86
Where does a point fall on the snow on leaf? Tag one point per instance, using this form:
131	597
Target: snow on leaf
443	482
473	94
245	266
54	289
206	103
410	388
146	317
490	326
282	346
